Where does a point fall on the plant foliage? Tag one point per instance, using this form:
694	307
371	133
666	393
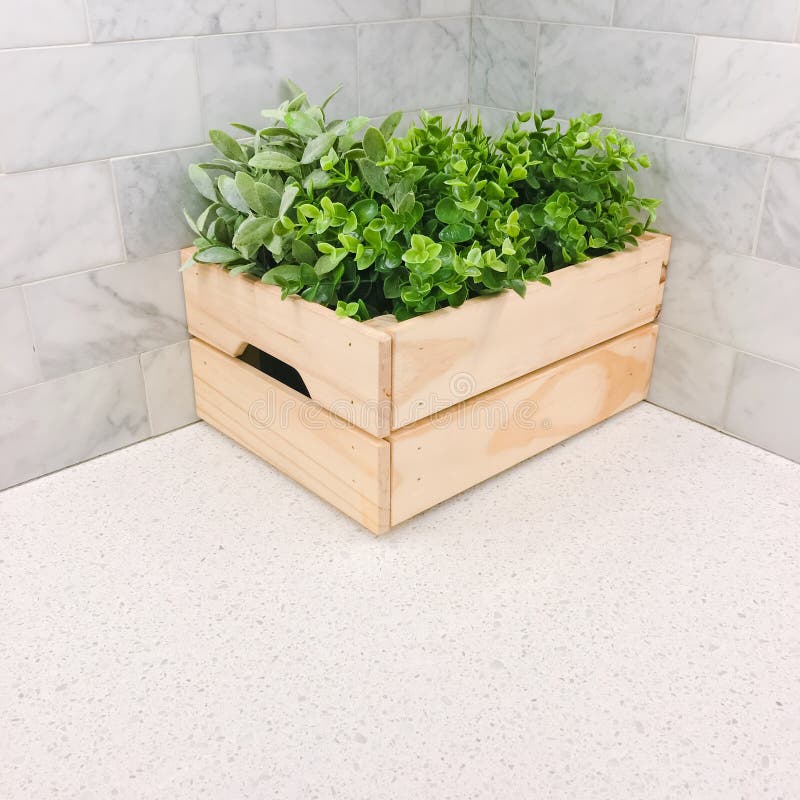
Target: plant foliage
350	216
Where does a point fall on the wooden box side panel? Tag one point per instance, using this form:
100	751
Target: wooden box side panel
341	463
442	455
345	365
450	355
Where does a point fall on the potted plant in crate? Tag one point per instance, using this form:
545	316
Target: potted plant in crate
412	280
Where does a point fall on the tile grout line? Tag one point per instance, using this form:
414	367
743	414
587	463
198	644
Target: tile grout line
613	12
761	205
732	347
29	318
689	88
203	115
535	76
796	31
147	404
120	228
651	31
88	18
398	21
95	268
470	51
358	69
726	406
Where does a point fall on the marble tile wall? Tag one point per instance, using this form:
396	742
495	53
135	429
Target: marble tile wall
110	101
105	103
709	89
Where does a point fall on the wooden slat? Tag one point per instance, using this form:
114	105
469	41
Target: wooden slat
452	354
442	455
346	365
341	463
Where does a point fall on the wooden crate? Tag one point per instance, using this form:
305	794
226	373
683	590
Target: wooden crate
403	415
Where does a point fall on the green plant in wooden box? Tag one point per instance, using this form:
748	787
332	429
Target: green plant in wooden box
353	217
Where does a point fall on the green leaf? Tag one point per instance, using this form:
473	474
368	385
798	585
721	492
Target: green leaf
240	268
330	97
302	123
192	224
202	182
242	127
406	204
457	232
231	195
289	194
318	147
188	263
248	189
253	233
365	210
374	176
273	159
389	125
284	276
447	211
329	261
318	179
349	127
227	145
269	199
374	144
346	309
217	255
303	252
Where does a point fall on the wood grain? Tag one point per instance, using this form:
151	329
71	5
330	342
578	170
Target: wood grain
442	455
333	458
447	356
346	365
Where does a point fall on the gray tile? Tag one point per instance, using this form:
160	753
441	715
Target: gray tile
317	60
737	300
170	388
301	13
434	55
764	405
145	19
61	422
94	317
31	23
152	190
779	236
502	63
742	18
691	375
710	194
19	365
586	12
446	8
69	104
639	81
57	221
744	94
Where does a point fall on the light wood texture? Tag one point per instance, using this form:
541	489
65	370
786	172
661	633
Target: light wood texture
447	356
336	460
346	365
450	451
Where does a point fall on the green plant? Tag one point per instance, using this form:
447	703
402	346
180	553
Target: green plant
373	224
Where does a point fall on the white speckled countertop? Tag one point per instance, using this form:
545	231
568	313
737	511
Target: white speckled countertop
617	618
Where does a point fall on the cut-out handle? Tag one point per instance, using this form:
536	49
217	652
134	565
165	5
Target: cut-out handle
275	368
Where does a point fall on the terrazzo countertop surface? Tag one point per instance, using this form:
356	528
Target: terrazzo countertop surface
617	618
